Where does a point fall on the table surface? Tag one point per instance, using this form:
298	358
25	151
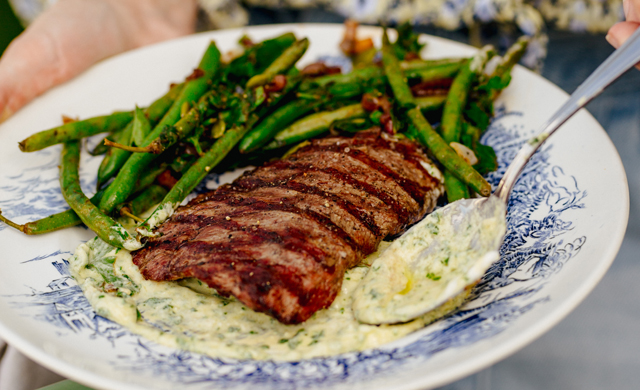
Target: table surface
597	345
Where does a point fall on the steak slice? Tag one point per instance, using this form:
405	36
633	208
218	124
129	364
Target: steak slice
279	238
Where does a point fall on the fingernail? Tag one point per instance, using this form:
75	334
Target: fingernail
612	40
625	7
6	113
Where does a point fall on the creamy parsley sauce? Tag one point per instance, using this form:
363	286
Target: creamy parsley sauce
191	316
447	252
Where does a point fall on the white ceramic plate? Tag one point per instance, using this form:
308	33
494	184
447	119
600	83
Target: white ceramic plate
567	219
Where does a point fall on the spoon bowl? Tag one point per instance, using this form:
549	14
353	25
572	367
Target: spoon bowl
434	263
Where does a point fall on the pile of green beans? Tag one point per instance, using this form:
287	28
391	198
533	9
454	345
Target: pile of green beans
261	104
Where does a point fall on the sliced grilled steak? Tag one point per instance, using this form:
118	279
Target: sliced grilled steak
280	237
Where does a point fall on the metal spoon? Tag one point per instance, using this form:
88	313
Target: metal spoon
408	279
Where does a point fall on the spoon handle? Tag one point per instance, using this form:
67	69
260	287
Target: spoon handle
613	67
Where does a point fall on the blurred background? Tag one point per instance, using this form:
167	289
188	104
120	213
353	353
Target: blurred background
598	345
9	25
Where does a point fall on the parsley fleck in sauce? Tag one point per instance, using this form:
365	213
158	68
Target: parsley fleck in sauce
430	264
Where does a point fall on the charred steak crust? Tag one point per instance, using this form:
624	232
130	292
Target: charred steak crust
280	237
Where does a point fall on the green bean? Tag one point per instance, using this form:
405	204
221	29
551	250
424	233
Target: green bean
116	158
209	160
158	109
149	177
257	58
458	93
69	218
509	60
455	188
342	91
352	90
512	56
147	199
59	221
192	90
452	114
141	126
106	228
265	130
11	223
426	64
395	76
281	64
447	156
430	71
123	184
139	161
435	73
75	130
171	134
192	177
356	76
313	125
425	133
430	103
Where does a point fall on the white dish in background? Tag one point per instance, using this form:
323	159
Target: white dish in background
567	218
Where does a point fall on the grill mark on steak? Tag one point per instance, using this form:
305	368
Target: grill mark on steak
360	214
351	225
409	186
245	217
284	206
357	170
400	210
409	151
381	214
320	212
252	235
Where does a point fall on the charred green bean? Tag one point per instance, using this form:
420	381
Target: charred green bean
314	125
116	158
281	64
106	228
192	177
124	182
270	126
75	131
452	114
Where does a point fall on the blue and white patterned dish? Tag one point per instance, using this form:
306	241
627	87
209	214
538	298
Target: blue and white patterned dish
567	217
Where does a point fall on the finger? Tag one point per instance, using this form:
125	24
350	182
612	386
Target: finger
620	32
